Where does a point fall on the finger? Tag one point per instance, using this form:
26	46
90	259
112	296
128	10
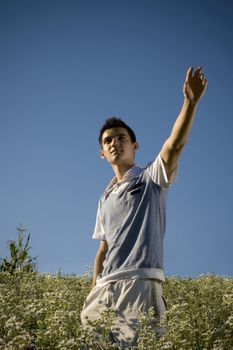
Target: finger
189	73
202	76
205	82
197	72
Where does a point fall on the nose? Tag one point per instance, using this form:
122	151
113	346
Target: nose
115	141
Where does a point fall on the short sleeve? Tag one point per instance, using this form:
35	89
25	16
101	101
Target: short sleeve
99	230
158	173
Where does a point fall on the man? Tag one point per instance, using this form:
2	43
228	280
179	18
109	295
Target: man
128	268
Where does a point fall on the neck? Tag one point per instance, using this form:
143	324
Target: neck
120	170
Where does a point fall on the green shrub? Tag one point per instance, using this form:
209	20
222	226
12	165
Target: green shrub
19	254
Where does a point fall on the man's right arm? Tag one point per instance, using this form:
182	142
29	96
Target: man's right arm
99	259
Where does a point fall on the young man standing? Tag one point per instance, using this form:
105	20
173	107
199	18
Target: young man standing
128	268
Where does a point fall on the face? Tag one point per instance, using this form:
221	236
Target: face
117	147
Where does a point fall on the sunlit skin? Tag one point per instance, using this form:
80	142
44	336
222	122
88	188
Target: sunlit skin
194	87
118	150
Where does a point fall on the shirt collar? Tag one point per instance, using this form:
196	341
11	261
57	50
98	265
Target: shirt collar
131	174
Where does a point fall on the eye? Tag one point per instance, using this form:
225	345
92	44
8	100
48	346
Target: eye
108	140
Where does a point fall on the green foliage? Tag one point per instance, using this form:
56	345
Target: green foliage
19	254
45	310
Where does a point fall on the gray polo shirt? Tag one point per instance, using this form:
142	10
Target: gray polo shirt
131	217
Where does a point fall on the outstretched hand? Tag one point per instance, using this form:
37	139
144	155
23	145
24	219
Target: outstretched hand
194	85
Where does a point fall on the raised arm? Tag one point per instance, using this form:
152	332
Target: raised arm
194	88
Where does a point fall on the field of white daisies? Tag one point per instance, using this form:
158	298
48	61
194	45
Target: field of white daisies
44	310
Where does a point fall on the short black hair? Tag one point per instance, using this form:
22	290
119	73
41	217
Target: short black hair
114	122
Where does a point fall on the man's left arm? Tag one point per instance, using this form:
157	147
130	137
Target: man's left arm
194	88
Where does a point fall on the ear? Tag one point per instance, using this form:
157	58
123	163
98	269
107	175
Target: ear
102	155
135	146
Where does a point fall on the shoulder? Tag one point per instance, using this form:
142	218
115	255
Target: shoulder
157	171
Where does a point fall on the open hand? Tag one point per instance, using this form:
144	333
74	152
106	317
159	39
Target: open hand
194	85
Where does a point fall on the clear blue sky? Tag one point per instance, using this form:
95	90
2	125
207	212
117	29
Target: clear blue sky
65	66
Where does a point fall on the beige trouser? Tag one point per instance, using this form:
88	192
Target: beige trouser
127	298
